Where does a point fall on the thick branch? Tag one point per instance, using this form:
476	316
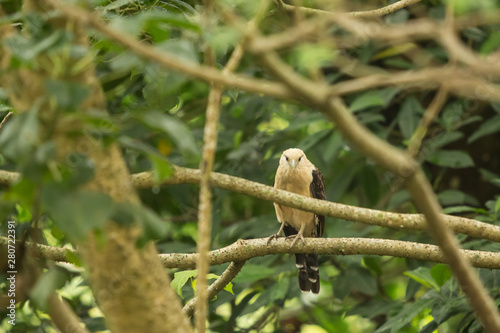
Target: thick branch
243	250
247	249
182	175
351	213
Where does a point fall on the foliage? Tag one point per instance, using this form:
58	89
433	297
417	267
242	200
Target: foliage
157	116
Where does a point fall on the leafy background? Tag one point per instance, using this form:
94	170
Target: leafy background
158	115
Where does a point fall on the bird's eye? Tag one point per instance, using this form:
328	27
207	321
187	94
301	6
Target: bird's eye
300	158
286	158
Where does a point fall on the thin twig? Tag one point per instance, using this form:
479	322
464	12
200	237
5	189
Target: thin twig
429	115
361	14
4	120
205	194
384	10
227	276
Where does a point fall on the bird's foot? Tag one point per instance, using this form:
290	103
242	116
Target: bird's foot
295	239
273	236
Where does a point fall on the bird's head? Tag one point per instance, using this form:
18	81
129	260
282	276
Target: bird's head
293	158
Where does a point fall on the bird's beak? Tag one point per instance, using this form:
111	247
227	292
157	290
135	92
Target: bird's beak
293	163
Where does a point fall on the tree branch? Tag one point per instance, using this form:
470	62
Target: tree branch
183	175
351	213
247	249
402	164
124	279
243	250
5	119
205	73
361	14
227	276
384	10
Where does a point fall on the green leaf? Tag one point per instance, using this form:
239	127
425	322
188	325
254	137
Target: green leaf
373	263
76	213
456	197
23	214
409	116
373	98
229	288
175	129
68	95
153	227
423	276
280	289
46	285
309	57
341	286
488	127
405	315
180	279
252	273
441	273
182	49
223	38
371	184
490	44
467	6
162	169
491	177
451	159
161	91
362	281
459	210
20	135
129	24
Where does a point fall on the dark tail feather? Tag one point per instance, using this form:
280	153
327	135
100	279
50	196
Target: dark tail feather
308	272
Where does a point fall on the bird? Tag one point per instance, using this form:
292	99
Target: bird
298	175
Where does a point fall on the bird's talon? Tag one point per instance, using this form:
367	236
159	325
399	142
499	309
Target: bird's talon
273	236
297	237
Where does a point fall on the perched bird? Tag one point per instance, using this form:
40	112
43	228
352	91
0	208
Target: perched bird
296	174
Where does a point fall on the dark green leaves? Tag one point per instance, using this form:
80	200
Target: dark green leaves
373	98
76	213
182	277
20	135
68	95
488	127
174	129
451	159
409	116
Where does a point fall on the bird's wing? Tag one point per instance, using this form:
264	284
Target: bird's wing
318	191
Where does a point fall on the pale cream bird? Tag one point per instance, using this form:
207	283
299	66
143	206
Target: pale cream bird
298	175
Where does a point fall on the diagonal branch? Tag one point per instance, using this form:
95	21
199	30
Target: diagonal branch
227	276
402	164
205	73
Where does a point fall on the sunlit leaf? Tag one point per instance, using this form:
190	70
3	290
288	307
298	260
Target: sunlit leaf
423	276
